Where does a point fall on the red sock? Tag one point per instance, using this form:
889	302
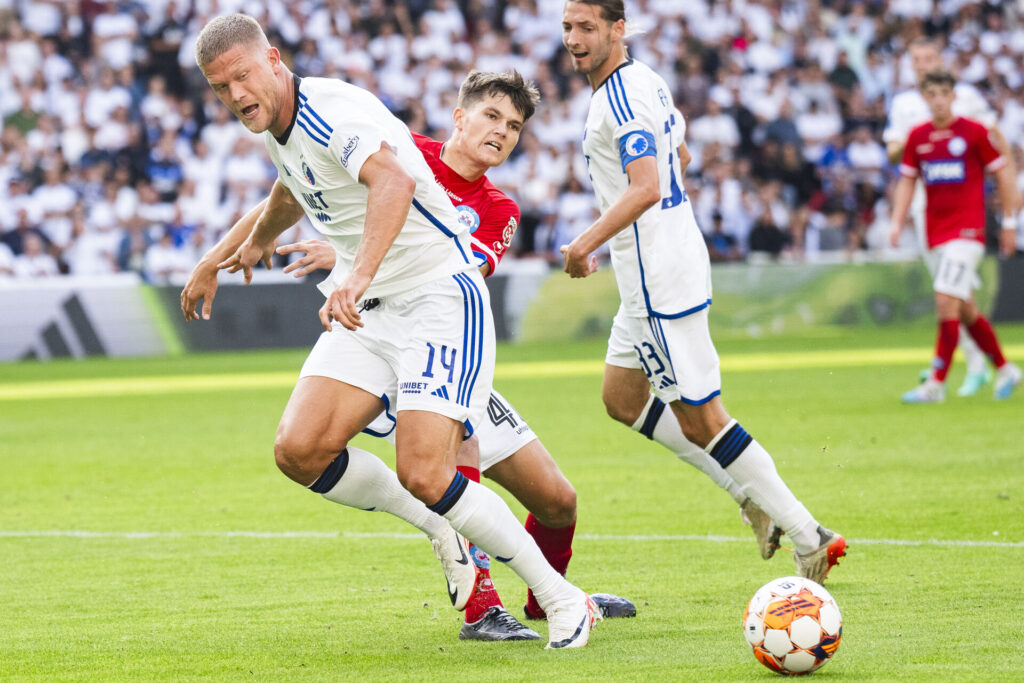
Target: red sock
945	345
556	544
485	595
983	333
471	473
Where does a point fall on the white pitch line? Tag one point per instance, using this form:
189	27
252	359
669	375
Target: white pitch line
636	538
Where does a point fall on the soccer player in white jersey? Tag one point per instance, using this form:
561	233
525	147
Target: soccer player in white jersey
406	314
491	112
909	110
660	342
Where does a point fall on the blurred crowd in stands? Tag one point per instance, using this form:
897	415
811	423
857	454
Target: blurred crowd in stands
115	156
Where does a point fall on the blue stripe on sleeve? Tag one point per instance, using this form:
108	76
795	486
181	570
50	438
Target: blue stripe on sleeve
317	117
311	134
608	92
622	89
305	117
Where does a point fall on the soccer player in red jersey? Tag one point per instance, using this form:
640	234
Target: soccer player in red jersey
951	155
492	109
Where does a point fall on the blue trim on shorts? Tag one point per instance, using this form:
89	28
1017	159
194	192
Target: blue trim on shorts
700	401
387	414
473	337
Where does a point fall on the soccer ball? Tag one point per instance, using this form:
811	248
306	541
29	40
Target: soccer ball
793	625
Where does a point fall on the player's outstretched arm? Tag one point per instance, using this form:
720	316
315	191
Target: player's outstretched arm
202	283
644	191
900	207
1008	196
316	255
280	212
390	195
1001	144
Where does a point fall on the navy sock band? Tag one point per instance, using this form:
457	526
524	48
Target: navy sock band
731	445
452	495
326	481
653	415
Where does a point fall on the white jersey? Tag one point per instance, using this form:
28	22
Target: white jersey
909	110
661	262
336	127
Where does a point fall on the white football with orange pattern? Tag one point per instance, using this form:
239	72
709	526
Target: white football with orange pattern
793	625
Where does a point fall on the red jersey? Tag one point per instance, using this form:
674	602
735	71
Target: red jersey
952	162
491	216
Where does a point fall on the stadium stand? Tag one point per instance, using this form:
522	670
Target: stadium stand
115	156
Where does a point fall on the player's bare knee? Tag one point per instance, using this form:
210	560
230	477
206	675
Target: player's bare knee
302	459
424	483
619	409
559	510
291	461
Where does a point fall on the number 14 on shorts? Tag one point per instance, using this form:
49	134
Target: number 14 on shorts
446	361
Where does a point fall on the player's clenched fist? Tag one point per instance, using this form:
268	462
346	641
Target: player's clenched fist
578	263
342	304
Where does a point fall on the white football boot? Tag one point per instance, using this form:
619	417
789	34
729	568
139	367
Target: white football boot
459	570
1008	378
929	391
570	621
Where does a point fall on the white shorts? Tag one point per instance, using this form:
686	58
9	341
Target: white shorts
956	268
676	354
501	432
431	348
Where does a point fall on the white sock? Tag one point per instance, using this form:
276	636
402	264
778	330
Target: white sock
658	423
974	358
361	480
751	466
481	515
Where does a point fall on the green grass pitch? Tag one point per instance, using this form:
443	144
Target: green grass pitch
145	534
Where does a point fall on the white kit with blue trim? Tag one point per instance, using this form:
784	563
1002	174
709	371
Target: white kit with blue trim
337	127
661	262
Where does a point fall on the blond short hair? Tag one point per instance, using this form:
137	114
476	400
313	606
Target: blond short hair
226	32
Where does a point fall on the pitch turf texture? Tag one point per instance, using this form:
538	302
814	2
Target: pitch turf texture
145	533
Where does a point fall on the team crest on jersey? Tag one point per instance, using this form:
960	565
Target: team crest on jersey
468	217
307	172
510	229
957	146
636	143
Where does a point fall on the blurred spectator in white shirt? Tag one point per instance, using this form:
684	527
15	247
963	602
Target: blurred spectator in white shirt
34	262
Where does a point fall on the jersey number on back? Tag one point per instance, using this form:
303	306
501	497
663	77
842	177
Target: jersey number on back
676	195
